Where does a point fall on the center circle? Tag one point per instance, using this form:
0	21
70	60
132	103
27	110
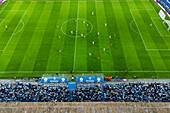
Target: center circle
77	27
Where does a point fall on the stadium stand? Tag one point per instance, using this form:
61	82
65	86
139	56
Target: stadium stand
87	93
18	92
55	93
165	4
137	92
122	92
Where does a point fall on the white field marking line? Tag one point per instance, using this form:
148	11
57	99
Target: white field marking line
138	30
20	29
158	30
1	21
83	71
4	7
76	39
132	28
14	31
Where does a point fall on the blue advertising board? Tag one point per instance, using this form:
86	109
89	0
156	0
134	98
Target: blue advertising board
90	80
54	80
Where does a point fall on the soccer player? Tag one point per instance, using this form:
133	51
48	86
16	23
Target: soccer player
81	35
150	25
110	37
89	54
103	49
92	13
93	42
98	33
84	22
71	32
105	24
6	27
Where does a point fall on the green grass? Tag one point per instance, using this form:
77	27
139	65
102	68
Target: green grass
31	43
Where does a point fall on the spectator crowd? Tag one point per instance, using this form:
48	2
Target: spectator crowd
87	93
54	93
18	92
120	92
137	92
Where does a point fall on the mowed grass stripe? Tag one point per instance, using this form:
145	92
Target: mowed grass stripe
93	64
44	51
35	44
25	38
55	58
142	53
116	49
7	54
125	37
69	42
81	48
104	41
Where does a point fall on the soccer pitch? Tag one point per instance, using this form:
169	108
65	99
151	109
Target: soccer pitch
30	40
